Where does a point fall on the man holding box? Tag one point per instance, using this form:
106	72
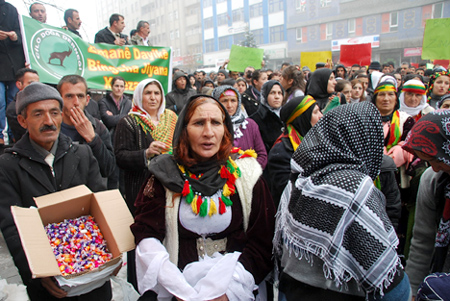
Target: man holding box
41	162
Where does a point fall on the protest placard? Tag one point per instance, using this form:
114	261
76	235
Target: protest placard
443	63
242	57
55	52
360	54
436	40
310	59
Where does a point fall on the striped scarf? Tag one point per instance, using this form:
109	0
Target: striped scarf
294	135
394	131
163	131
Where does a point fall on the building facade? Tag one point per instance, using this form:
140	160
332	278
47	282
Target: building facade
395	28
227	22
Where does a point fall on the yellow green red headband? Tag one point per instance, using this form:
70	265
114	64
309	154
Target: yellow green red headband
304	105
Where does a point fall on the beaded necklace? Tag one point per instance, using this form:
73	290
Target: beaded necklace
199	203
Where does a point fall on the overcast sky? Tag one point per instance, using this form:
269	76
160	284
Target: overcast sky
55	13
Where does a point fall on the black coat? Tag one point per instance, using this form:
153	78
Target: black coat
390	190
105	36
107	103
17	130
11	53
24	175
279	168
101	146
250	104
130	143
270	125
177	99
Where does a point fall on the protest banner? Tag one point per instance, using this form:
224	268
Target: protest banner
436	40
242	57
55	52
360	54
443	63
310	59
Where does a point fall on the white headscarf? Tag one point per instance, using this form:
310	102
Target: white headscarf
137	108
389	79
423	102
375	77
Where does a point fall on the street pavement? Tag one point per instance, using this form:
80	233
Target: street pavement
8	270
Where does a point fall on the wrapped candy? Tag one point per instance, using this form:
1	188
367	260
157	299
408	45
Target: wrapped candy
78	245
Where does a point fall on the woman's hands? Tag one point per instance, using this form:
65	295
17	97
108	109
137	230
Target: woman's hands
155	148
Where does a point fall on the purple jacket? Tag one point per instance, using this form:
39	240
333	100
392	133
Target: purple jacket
251	138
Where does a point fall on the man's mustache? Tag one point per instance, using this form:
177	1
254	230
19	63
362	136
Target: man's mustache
48	128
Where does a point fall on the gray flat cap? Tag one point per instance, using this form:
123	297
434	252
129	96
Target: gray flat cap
35	92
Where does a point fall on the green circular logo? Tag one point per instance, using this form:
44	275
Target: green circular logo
57	53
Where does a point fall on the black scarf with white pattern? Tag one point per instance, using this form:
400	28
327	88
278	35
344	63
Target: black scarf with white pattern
332	210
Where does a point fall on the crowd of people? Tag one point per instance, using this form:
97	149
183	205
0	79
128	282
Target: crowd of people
327	185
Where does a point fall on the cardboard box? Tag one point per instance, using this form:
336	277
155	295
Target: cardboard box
108	209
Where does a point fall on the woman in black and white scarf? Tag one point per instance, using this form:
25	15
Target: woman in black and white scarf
333	237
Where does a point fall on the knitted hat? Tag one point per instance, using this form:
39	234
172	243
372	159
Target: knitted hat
224	72
320	65
306	68
416	87
375	65
35	92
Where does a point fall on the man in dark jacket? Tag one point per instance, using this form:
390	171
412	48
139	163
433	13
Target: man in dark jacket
11	58
42	162
181	91
24	77
81	127
73	21
340	71
113	34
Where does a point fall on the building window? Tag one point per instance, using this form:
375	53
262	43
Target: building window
275	6
208	22
176	52
171	35
329	32
177	34
209	45
175	14
276	34
238	15
207	3
238	38
298	34
221	19
393	21
351	26
256	10
259	36
325	3
300	5
437	10
223	43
